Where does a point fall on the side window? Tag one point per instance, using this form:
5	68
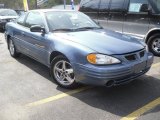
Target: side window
20	20
90	5
104	5
117	5
138	6
155	6
34	18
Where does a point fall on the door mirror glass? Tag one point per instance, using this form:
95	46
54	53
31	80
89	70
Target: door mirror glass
37	28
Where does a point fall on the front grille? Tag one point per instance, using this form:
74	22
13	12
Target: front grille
135	55
142	54
131	57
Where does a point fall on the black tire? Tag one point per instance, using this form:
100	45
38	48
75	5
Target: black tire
54	63
12	49
150	43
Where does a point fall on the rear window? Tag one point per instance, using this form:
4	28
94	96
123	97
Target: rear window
4	12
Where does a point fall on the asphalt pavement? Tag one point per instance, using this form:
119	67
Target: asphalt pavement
27	92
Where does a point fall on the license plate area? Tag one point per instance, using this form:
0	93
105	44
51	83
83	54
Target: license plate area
140	67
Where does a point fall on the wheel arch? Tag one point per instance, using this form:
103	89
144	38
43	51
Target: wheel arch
151	33
55	54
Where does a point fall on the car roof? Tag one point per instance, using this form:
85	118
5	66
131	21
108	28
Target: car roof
51	10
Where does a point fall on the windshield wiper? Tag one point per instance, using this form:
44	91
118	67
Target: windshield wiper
88	28
62	29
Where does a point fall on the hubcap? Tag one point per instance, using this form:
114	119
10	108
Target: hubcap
11	47
156	45
63	72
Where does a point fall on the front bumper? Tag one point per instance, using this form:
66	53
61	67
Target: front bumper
119	74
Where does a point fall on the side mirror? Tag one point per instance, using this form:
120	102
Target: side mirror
37	28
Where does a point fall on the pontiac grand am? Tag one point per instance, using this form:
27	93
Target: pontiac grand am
77	49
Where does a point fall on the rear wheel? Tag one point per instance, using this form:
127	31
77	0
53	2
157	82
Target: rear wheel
62	72
154	44
12	49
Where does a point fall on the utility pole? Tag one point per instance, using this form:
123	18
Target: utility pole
25	3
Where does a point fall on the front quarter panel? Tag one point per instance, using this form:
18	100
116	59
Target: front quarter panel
75	53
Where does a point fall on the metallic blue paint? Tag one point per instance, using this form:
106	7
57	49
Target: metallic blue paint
77	45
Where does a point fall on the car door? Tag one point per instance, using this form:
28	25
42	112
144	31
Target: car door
36	42
18	35
137	18
90	8
116	15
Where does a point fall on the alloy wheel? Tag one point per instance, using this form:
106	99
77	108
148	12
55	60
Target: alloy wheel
156	45
63	72
11	47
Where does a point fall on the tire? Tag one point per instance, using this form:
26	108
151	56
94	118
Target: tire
12	49
154	44
62	72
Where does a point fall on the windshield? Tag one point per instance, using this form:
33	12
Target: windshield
5	12
69	21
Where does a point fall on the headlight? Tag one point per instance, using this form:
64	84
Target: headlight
100	59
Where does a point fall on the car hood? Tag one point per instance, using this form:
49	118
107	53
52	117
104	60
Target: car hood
104	41
8	17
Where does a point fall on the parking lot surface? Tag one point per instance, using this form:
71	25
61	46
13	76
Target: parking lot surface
27	92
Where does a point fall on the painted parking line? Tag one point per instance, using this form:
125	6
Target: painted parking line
62	95
134	115
155	65
56	97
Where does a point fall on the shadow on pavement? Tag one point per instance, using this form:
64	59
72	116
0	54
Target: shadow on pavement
123	100
120	100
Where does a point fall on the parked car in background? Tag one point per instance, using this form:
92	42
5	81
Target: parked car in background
76	49
139	18
6	15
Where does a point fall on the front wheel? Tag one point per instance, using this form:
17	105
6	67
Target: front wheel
154	44
62	72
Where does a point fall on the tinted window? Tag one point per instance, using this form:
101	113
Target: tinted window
104	5
116	5
89	5
138	6
156	5
6	12
34	18
21	19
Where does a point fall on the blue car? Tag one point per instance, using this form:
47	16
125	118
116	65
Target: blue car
77	49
